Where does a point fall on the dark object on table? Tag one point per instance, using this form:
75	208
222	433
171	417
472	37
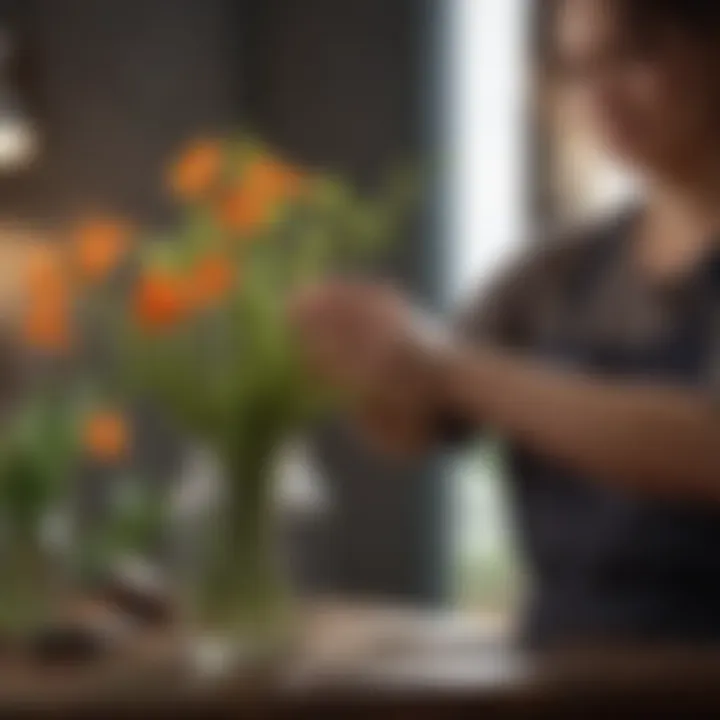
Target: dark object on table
75	642
140	595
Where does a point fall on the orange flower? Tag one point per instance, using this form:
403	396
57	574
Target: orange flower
271	178
46	326
210	280
46	272
99	245
250	204
197	170
45	323
243	211
161	300
106	436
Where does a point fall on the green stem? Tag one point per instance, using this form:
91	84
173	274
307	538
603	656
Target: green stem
242	593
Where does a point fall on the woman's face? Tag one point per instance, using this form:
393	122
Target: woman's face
651	102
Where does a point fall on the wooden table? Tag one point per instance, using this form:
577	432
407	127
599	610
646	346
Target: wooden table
379	663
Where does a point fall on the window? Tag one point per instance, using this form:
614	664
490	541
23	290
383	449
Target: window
487	45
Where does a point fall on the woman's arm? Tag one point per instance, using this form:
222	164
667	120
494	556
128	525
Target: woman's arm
642	436
647	437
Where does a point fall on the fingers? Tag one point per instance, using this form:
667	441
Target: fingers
340	324
351	300
321	317
361	337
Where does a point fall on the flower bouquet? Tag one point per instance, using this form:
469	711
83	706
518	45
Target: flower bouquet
193	320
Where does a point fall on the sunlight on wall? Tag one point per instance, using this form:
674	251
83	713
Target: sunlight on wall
488	197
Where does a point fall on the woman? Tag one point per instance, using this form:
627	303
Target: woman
594	358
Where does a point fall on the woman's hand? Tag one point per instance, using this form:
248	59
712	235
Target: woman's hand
365	339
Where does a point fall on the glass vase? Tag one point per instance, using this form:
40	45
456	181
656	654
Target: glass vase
240	597
30	585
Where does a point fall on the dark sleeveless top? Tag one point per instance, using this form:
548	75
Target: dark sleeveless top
605	564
